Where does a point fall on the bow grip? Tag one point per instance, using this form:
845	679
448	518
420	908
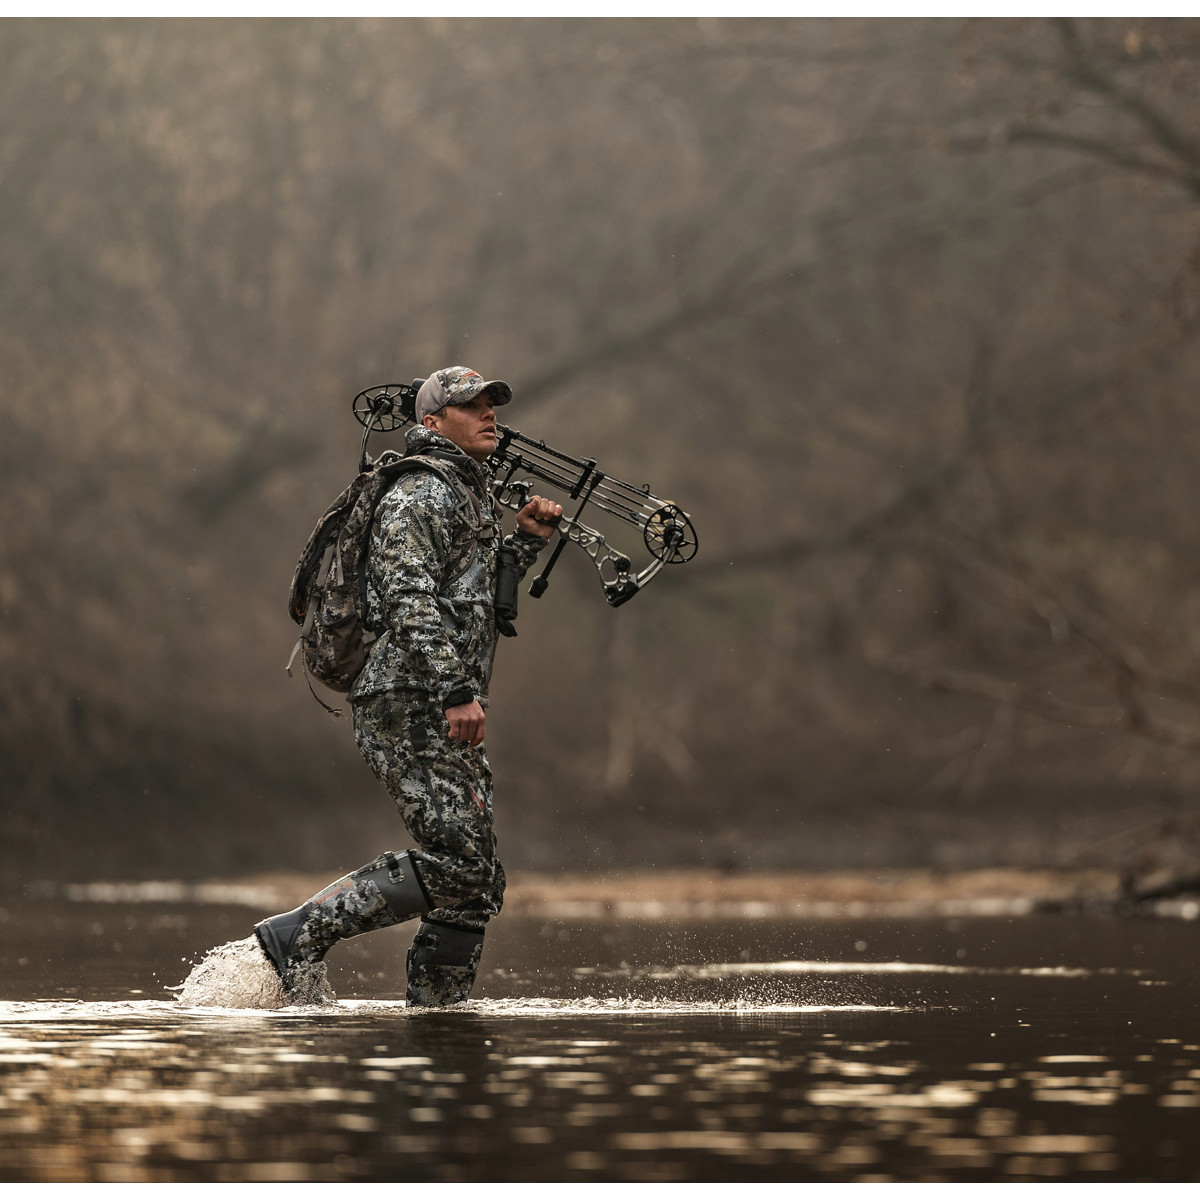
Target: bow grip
521	489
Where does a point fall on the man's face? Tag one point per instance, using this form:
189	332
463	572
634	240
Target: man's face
471	426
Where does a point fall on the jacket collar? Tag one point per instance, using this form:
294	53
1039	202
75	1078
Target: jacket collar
420	440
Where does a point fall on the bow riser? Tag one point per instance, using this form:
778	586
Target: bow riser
619	582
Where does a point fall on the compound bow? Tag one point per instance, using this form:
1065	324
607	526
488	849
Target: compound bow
666	529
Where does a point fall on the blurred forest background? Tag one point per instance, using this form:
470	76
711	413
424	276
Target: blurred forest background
905	313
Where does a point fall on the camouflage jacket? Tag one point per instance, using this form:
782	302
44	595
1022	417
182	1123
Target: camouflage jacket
438	625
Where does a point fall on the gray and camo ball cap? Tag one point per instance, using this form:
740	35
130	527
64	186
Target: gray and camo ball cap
457	385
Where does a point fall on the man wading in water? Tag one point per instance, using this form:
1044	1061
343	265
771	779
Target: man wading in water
420	706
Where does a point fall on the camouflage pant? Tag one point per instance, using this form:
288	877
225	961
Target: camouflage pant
443	790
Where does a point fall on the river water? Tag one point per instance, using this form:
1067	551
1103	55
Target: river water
1023	1048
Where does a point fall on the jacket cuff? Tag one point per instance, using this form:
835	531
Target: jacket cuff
530	539
460	695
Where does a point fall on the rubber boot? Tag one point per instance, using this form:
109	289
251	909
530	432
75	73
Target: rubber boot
382	893
442	963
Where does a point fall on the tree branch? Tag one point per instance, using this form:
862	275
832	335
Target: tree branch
1161	127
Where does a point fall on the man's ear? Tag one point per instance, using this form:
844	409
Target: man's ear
430	421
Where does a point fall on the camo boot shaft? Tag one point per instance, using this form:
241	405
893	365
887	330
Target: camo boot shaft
442	965
381	893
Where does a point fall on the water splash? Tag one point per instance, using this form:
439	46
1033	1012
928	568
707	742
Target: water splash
239	975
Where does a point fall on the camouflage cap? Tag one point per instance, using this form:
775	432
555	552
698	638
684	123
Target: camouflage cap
457	385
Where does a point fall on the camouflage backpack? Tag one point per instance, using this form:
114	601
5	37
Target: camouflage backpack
329	598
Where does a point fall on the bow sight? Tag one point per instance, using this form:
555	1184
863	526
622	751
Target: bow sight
665	528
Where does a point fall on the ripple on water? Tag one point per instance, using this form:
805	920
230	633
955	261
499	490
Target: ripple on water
170	1012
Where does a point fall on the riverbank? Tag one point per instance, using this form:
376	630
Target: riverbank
692	893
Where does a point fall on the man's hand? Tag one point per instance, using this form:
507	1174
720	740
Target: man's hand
466	722
534	516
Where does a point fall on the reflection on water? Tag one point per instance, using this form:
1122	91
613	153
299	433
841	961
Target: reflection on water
611	1052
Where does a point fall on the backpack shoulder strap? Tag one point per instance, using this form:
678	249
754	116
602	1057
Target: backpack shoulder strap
479	528
469	506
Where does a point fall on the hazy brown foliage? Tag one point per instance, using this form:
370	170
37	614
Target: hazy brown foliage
904	313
